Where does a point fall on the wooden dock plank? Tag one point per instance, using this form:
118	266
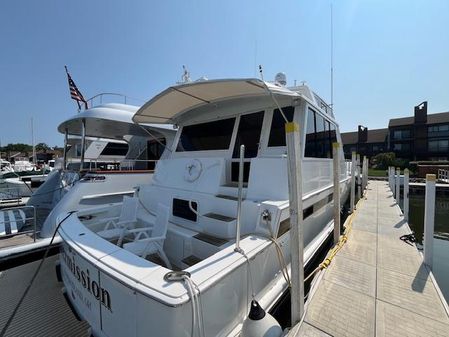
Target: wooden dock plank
377	285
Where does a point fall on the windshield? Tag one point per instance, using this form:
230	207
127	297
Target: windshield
206	136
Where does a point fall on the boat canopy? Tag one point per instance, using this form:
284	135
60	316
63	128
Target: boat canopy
112	121
173	102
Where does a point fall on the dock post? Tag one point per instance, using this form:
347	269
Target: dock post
359	176
336	169
398	186
389	176
296	220
406	201
392	179
352	181
429	217
365	172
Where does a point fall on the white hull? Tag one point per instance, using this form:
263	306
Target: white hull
14	188
187	223
133	298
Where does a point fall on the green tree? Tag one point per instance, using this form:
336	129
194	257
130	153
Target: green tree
42	147
383	160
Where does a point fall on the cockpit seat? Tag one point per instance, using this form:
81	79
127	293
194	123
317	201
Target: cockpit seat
118	227
154	243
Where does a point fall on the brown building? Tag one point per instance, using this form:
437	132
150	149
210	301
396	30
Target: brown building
418	137
376	142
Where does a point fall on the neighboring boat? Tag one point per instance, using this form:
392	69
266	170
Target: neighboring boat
164	262
5	166
109	168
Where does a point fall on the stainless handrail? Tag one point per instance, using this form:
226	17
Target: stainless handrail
113	162
239	198
100	96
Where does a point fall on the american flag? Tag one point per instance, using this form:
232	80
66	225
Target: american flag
74	92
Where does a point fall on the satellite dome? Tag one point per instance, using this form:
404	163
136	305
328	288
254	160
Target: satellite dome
280	79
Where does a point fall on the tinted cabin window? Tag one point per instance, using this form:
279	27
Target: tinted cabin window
248	134
310	148
206	136
114	149
333	136
277	131
154	152
321	136
326	141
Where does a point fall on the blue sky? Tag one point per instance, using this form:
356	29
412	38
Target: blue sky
388	55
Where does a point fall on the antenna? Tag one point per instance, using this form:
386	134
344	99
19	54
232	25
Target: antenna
185	76
261	72
255	58
332	58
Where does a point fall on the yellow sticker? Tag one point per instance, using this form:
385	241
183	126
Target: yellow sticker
291	127
336	145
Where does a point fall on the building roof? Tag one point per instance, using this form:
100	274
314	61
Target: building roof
374	136
442	117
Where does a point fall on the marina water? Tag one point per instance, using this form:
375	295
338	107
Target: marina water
441	235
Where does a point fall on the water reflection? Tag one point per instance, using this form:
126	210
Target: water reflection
441	237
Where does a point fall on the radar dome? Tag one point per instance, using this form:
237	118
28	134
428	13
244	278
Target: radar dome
280	79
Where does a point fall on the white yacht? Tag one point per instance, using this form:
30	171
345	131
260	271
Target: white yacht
109	168
164	262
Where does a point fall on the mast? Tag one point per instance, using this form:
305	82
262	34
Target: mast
332	59
32	142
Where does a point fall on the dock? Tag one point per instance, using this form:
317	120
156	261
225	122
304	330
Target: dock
44	311
377	284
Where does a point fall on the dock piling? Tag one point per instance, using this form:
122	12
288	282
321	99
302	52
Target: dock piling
359	178
429	217
365	172
336	169
353	181
296	220
397	194
406	199
390	184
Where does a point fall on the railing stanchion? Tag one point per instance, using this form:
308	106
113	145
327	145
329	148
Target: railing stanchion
35	222
429	217
239	200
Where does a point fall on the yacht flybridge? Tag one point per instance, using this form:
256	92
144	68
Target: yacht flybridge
163	262
106	155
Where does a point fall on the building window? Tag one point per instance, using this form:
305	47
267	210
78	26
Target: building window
401	134
401	147
439	145
438	130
